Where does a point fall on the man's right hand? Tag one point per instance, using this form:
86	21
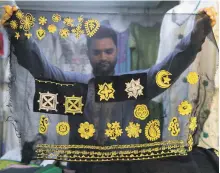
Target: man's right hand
8	12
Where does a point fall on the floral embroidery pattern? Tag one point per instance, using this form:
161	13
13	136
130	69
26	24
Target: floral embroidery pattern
190	142
52	28
133	130
78	31
141	112
68	21
91	27
114	130
134	88
106	91
162	79
48	101
64	33
73	105
44	123
185	108
86	130
41	33
27	22
56	17
14	24
192	78
152	130
193	123
174	127
63	128
42	20
19	14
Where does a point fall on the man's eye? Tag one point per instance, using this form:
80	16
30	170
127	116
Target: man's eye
96	52
109	51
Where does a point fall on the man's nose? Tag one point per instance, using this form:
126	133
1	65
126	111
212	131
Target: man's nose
103	55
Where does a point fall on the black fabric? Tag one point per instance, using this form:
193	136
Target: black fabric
20	170
119	85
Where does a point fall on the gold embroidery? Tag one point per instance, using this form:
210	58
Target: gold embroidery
63	128
73	105
80	19
19	14
193	123
152	130
174	127
192	78
17	35
68	21
41	33
134	88
44	123
190	142
91	27
52	28
56	17
61	84
141	112
162	79
133	130
216	152
14	24
42	20
86	130
48	101
27	22
28	35
64	33
78	31
114	130
185	108
106	91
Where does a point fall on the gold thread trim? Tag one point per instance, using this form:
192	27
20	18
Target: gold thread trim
42	81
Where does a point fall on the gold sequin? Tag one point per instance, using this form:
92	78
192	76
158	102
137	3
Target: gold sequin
174	127
152	130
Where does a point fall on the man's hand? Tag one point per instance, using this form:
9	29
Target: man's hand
8	12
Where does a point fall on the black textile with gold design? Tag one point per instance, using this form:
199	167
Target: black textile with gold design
73	91
119	86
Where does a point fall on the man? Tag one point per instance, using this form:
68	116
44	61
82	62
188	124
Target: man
102	51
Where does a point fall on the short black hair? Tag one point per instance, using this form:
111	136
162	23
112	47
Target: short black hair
103	32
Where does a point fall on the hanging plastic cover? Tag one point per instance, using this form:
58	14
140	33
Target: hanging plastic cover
74	81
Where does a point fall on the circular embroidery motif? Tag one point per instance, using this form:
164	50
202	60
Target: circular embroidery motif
19	14
141	112
174	127
133	130
114	130
52	28
63	128
14	24
192	78
152	130
56	17
185	108
86	130
162	79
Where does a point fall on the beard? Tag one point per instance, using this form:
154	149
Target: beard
104	68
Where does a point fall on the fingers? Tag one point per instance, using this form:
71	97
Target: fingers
211	13
8	12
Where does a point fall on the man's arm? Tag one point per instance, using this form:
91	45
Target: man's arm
180	59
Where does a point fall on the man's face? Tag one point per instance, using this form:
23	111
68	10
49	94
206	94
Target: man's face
102	54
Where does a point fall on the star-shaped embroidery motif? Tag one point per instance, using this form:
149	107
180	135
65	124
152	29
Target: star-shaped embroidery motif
106	91
166	80
134	88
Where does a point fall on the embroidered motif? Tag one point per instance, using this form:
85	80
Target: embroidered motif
193	123
27	22
114	130
190	142
141	112
106	91
162	79
28	35
41	33
91	27
63	128
56	17
78	31
48	101
64	33
134	88
192	78
14	24
185	108
44	123
17	35
54	83
52	28
86	130
152	130
80	19
19	14
216	152
133	130
42	20
174	127
73	105
68	21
